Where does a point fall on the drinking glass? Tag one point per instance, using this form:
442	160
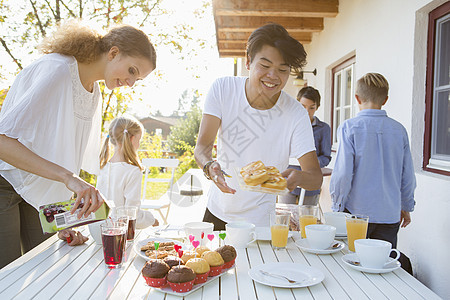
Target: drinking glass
308	214
279	229
114	238
356	229
131	213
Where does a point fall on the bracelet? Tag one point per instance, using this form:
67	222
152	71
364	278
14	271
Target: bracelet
206	169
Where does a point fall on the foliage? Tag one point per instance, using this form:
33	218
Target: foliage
3	96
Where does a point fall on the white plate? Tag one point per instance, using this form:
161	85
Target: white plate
137	245
392	266
306	275
263	234
257	188
167	289
303	244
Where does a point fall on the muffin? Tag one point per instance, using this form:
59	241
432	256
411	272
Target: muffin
181	279
228	254
201	249
155	272
173	261
201	268
187	255
215	261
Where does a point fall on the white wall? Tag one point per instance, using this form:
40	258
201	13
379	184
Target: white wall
389	37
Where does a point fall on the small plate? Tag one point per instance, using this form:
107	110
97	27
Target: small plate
257	188
353	257
137	245
263	234
306	275
303	244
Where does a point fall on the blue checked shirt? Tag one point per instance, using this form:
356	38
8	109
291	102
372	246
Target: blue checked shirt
373	172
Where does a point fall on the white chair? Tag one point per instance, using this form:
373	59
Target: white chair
164	201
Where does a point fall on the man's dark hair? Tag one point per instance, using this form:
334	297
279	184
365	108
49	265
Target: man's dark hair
310	93
275	35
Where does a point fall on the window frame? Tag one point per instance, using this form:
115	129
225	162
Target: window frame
429	163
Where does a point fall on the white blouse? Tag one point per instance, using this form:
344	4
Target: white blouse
120	183
49	111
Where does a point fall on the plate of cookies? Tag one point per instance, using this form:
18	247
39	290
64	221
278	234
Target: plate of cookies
257	177
146	248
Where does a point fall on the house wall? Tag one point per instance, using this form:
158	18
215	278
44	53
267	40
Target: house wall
389	37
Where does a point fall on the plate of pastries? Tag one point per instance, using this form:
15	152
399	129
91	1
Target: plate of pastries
257	177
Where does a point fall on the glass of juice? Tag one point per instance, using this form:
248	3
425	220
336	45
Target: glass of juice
279	229
114	239
131	213
308	214
356	229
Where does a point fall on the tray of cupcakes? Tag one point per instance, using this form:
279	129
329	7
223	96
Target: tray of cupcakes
190	270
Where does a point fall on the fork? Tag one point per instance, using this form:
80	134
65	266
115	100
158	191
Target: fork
279	276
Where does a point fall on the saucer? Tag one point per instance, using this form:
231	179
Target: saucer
353	257
303	244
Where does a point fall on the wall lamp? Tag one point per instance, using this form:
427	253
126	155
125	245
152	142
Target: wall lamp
300	81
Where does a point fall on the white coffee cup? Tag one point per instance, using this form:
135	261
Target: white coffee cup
320	236
336	219
196	229
96	233
374	253
240	234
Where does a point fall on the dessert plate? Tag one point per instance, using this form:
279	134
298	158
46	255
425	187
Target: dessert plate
303	274
257	188
263	234
137	245
352	261
303	244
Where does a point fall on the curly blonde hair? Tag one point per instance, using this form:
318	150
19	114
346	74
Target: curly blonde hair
86	45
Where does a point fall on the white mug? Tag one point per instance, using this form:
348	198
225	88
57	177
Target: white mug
320	236
197	228
374	253
96	233
240	234
336	219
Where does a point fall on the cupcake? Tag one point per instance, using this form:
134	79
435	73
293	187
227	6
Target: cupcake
155	272
173	261
228	254
201	249
201	268
215	261
187	255
181	279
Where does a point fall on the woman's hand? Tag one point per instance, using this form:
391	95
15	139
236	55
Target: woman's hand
215	172
72	237
86	193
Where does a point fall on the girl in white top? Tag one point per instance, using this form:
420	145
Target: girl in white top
50	126
121	175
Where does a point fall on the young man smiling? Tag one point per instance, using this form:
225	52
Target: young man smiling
255	120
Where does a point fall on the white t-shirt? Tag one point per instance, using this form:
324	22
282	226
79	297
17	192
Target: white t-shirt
246	135
120	183
50	112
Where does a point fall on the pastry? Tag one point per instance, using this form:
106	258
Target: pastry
255	176
201	268
228	254
181	278
215	261
172	261
201	249
275	182
155	272
187	255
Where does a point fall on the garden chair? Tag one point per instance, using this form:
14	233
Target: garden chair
165	200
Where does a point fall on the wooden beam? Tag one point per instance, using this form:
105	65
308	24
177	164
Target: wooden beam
231	54
249	24
285	8
242	37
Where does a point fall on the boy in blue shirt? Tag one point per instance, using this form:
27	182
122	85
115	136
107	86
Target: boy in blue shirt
373	174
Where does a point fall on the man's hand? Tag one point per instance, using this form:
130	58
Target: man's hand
405	218
72	237
215	172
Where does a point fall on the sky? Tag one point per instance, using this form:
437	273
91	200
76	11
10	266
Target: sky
197	71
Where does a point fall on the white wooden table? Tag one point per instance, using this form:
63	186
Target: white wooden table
54	270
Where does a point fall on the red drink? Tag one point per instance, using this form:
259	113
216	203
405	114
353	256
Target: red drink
131	229
114	241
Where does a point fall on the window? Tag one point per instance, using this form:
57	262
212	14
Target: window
437	102
343	103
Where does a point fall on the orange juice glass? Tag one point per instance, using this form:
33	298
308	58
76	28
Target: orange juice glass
308	214
356	229
279	229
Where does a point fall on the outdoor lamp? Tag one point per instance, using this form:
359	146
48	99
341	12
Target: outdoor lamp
299	81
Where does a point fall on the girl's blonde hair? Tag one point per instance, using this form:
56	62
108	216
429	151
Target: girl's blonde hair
86	45
120	132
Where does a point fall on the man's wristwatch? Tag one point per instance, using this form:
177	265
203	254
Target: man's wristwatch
206	169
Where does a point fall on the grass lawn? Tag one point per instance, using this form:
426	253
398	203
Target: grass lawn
156	189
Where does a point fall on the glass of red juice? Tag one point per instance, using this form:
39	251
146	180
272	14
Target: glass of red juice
114	239
131	213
